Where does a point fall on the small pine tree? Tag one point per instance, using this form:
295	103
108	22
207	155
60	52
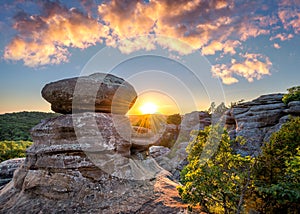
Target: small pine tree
219	184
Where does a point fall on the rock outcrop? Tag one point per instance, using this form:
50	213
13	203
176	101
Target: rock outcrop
98	92
7	169
86	163
195	120
83	163
255	121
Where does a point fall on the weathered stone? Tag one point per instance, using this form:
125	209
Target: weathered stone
293	108
168	137
255	121
83	163
174	160
98	92
7	169
156	151
193	121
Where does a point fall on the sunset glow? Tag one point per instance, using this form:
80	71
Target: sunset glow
172	48
148	108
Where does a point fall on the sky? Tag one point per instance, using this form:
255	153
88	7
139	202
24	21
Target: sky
181	55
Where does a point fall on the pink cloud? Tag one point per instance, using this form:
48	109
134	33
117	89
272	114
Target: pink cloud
276	45
282	37
290	19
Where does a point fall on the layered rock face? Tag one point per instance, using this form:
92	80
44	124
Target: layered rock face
255	121
7	169
98	92
86	163
79	171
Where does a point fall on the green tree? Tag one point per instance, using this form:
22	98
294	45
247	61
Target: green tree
13	149
292	95
174	119
220	183
16	126
277	172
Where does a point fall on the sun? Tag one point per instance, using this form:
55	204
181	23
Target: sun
148	108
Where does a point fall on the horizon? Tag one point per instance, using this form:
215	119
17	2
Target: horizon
181	56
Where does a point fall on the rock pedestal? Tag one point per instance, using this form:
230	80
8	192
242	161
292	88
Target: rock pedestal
85	163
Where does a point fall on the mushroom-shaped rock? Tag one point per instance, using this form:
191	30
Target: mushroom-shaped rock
98	92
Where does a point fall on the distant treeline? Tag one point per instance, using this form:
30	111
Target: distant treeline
16	126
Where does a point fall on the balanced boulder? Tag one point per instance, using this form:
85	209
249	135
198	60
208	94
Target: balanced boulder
98	92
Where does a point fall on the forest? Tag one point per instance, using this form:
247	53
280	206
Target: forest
16	126
15	132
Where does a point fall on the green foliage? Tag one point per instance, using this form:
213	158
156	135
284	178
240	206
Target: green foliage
292	95
219	183
277	172
174	119
16	126
13	149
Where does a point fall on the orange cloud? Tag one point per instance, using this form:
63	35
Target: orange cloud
45	39
253	67
227	47
211	26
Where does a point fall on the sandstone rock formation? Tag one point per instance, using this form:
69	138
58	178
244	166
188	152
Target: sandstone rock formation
7	169
83	163
98	92
86	163
255	121
195	120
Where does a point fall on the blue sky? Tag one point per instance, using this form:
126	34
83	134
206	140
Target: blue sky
193	52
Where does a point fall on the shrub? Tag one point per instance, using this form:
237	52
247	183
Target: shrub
13	149
277	172
292	95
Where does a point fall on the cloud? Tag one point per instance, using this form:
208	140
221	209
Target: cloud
227	47
276	45
282	37
290	16
214	27
45	39
254	66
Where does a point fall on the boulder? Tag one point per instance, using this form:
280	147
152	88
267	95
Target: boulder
168	137
156	151
7	169
173	160
98	92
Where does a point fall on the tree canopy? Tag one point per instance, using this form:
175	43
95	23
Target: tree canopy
292	95
220	183
16	126
230	183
